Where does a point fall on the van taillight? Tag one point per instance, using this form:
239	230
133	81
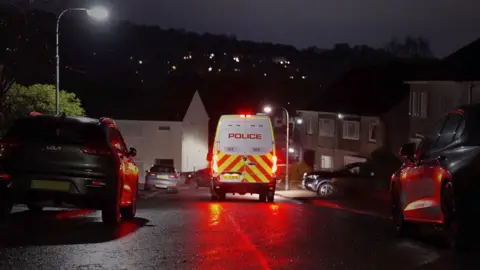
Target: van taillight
274	165
215	164
96	150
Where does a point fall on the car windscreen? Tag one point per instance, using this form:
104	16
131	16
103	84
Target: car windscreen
162	169
56	131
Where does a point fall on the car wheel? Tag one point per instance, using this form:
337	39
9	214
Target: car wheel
325	189
454	231
6	204
402	227
111	210
35	208
129	212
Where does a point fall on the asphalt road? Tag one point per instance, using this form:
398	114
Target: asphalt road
187	231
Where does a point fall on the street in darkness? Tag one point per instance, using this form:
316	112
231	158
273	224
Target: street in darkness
188	231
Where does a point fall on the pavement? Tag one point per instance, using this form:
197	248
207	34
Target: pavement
188	231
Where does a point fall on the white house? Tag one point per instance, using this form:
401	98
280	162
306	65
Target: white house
183	140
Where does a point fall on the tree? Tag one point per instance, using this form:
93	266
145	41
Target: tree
21	100
409	47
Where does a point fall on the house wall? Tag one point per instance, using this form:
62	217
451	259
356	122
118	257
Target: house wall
332	145
195	137
441	97
153	140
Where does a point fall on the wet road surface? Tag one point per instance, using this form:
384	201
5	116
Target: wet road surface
187	231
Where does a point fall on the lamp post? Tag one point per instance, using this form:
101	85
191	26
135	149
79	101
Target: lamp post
268	109
97	13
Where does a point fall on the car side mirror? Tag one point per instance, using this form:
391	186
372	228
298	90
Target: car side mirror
132	152
407	151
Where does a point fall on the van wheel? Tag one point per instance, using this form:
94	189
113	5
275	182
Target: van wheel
262	197
35	208
271	198
222	196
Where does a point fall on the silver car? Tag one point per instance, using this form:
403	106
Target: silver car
162	177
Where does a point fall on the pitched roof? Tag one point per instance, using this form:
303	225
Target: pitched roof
151	104
368	90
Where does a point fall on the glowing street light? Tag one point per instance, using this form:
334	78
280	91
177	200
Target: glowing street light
299	121
268	109
291	150
97	13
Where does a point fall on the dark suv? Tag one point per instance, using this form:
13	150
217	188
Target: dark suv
439	181
81	161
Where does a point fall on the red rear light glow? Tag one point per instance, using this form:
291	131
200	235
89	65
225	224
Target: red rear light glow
4	176
174	175
274	166
215	164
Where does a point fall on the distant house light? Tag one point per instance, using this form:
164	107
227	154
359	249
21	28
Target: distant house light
219	69
265	74
174	67
304	77
212	55
291	77
209	69
140	62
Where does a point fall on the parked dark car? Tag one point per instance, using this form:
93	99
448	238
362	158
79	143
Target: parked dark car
203	178
438	182
352	178
50	160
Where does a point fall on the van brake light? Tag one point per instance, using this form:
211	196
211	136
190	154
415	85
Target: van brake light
96	150
274	166
215	164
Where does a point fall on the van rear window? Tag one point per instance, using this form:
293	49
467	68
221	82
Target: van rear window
245	136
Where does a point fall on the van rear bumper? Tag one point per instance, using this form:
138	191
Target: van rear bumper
243	188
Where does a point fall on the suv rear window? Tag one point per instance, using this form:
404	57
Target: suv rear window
57	131
162	169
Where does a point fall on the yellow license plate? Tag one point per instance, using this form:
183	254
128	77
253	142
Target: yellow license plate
231	176
51	185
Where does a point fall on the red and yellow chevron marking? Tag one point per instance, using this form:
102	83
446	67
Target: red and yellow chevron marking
229	163
262	171
259	173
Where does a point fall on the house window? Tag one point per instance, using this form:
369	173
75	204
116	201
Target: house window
372	132
309	126
423	104
418	105
327	162
163	128
351	130
326	127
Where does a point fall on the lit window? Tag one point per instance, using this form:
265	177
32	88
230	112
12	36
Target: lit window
326	127
327	162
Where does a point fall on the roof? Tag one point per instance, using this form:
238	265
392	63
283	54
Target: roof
368	90
149	105
80	119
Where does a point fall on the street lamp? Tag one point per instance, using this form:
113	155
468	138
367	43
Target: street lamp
268	109
291	150
299	121
97	13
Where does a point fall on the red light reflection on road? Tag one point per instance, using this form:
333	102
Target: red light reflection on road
72	213
243	235
214	214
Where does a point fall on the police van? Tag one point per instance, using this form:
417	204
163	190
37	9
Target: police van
243	157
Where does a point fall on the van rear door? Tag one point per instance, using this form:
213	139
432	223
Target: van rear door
231	149
259	149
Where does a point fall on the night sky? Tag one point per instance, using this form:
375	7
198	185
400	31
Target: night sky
447	24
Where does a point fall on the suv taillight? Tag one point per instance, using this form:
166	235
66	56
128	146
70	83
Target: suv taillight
96	150
6	146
